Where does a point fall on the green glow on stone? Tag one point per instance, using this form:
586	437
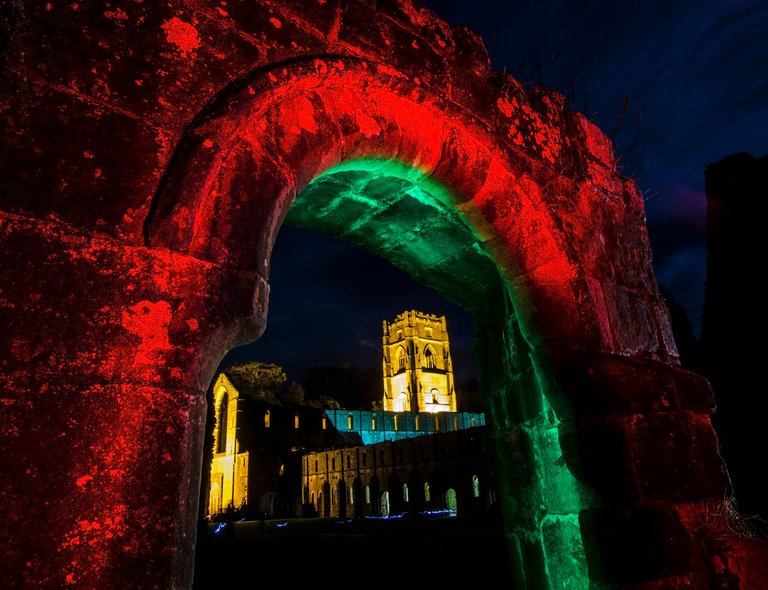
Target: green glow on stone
403	215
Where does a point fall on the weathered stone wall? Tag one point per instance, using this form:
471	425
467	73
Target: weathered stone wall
445	461
150	153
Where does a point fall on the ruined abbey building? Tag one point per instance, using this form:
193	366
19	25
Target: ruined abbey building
152	151
273	460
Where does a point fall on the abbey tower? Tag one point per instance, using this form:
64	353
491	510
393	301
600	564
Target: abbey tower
418	374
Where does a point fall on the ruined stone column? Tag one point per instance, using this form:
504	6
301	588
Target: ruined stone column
106	358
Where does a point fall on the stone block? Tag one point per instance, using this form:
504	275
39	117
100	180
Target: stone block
597	452
677	457
633	545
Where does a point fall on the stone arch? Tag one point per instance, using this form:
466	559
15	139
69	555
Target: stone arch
103	387
430	359
439	157
358	494
401	359
342	500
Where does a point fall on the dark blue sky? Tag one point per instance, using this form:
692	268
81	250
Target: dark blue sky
696	74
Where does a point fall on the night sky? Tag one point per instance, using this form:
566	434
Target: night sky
676	84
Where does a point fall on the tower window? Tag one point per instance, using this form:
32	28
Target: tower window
325	422
267	419
416	422
333	462
350	422
296	421
349	462
426	492
351	493
405	492
472	422
400	359
429	359
373	423
317	466
395	418
437	423
455	422
475	486
367	494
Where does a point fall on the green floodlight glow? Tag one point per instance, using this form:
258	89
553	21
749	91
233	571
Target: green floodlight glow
407	217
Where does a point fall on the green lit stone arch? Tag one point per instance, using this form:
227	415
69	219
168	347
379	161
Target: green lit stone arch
413	221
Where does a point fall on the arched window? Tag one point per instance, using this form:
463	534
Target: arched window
405	492
401	359
367	494
475	486
351	495
398	405
450	499
333	497
325	422
333	462
317	466
416	422
437	423
455	422
429	358
373	422
350	422
267	419
472	422
221	421
426	491
349	462
296	421
396	424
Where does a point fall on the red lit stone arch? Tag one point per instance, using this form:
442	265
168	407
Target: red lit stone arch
285	126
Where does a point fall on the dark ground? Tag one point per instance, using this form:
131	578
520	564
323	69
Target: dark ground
435	552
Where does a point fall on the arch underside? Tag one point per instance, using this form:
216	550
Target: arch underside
409	220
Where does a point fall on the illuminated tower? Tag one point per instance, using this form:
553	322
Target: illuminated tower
418	375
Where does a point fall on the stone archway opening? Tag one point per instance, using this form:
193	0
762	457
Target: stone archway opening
402	215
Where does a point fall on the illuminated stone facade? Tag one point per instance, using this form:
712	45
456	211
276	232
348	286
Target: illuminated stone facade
256	467
369	427
418	373
444	471
257	449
